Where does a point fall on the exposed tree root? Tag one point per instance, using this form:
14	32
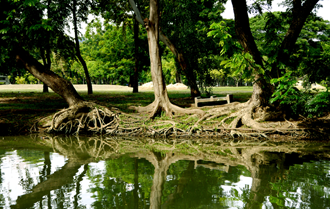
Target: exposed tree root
85	116
227	121
170	109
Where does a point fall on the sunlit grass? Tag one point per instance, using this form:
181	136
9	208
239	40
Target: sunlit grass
27	97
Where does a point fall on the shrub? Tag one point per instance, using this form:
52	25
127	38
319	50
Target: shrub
318	105
296	102
20	80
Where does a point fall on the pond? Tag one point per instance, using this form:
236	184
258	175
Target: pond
96	172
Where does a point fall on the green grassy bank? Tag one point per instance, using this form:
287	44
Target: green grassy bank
21	106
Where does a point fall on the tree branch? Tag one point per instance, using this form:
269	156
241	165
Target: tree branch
243	30
297	23
162	37
300	14
138	15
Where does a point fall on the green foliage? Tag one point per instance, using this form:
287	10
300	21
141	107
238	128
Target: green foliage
109	53
169	68
297	102
223	31
39	27
308	58
285	92
20	80
186	24
27	78
318	105
235	63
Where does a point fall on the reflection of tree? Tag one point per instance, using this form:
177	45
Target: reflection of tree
79	179
2	198
31	156
136	176
195	188
117	186
46	172
305	185
55	181
265	168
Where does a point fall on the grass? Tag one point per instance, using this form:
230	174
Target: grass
233	89
22	108
229	120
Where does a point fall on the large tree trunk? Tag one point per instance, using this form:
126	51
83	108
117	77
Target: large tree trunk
135	79
81	59
300	14
262	90
189	75
152	27
45	88
162	101
59	85
47	65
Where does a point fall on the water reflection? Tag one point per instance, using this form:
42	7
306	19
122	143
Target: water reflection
116	173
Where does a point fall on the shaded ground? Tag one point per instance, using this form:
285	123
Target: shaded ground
22	105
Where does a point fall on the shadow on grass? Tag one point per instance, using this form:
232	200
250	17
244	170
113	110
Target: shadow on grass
20	110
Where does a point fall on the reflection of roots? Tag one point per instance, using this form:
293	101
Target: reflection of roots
85	116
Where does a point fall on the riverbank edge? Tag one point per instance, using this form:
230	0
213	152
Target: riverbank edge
314	133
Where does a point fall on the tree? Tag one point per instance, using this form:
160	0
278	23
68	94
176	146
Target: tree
46	56
20	33
186	24
179	56
109	53
258	108
79	11
119	12
161	102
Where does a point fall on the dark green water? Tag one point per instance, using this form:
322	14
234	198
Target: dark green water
105	173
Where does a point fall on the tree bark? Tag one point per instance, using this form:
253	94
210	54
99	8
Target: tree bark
47	65
189	75
78	54
45	88
152	27
59	85
135	79
262	90
300	14
158	182
162	101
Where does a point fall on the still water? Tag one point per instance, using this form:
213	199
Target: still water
144	173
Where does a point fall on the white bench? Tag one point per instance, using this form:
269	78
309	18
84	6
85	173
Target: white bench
4	79
229	99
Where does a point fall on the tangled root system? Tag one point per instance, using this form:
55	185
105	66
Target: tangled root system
83	117
231	120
